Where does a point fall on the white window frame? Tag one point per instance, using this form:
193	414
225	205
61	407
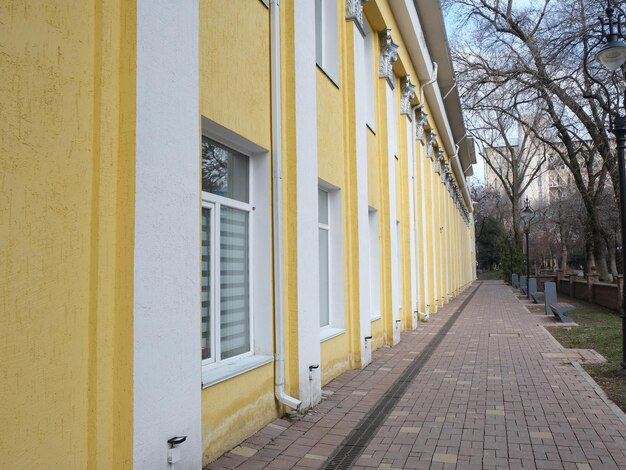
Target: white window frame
215	203
327	228
327	38
335	265
258	207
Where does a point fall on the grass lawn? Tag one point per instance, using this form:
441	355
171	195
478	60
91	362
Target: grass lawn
489	275
599	329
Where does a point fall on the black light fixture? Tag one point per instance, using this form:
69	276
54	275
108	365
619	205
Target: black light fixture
611	53
527	214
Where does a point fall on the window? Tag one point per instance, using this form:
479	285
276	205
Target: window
369	75
331	303
374	264
326	38
399	265
324	254
226	313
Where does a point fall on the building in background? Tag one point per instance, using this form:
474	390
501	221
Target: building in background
213	208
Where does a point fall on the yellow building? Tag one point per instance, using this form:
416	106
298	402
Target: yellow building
210	209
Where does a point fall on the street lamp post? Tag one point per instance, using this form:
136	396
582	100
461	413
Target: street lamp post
612	55
510	239
527	214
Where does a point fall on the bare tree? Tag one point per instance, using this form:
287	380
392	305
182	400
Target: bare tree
511	154
531	58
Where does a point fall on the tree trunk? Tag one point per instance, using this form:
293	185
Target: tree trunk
563	257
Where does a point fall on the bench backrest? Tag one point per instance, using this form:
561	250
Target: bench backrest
549	289
522	281
532	285
514	280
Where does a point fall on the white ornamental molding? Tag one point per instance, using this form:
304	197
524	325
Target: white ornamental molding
438	161
408	93
388	55
421	118
354	12
430	142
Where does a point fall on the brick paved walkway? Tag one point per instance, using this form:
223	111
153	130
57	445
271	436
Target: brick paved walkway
493	395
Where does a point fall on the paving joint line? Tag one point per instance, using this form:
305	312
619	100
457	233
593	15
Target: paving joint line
355	443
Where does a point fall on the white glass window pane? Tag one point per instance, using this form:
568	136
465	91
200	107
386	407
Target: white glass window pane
224	171
322	206
319	31
206	283
369	74
324	279
374	263
331	39
234	283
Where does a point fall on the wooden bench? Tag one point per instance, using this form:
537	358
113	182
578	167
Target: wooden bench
537	296
554	307
523	284
560	309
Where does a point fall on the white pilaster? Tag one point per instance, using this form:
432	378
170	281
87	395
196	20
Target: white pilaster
167	358
307	217
362	196
392	151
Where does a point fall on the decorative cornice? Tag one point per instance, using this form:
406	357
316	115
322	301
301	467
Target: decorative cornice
421	118
446	176
430	142
388	55
408	93
354	12
438	161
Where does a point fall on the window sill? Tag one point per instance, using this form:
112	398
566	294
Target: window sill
375	317
330	332
329	76
215	373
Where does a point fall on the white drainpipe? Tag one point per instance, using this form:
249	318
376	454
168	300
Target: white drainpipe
279	330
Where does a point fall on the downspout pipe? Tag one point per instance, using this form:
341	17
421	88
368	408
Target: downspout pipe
456	165
431	80
277	212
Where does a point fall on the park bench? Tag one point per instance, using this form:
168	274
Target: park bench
537	296
554	307
523	284
515	280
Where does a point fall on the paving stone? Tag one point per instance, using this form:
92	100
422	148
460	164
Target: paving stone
496	393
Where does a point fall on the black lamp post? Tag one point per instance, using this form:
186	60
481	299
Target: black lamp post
612	55
509	237
527	214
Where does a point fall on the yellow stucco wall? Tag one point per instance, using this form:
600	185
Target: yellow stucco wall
235	67
330	151
235	92
67	166
373	173
235	409
334	355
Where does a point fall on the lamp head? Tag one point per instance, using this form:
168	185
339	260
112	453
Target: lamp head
613	53
527	213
